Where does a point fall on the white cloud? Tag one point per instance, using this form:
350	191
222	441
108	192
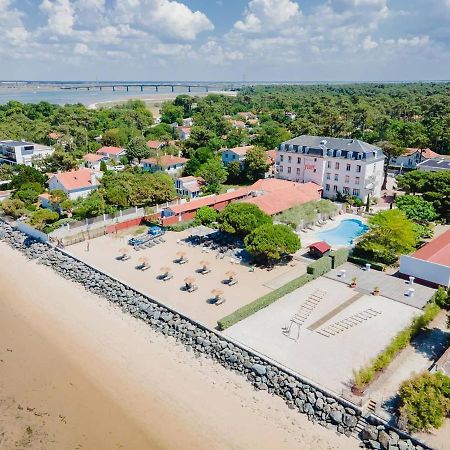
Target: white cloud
368	43
81	49
60	16
267	14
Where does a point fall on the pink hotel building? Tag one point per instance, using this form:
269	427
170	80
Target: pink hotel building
348	166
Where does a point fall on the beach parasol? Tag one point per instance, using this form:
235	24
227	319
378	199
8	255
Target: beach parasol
217	293
165	269
204	263
143	260
123	251
181	254
230	274
189	280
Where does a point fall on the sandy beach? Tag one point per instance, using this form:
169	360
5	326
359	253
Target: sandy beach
75	372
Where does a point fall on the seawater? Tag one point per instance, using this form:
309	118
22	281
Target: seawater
85	97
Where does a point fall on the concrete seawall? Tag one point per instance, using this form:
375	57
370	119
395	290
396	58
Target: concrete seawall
320	405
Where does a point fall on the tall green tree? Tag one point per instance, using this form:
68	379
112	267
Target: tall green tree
137	148
214	173
242	218
390	150
255	164
416	208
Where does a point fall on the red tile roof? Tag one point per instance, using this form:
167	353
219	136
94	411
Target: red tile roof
166	160
321	247
155	144
110	151
238	123
271	156
426	153
193	205
242	151
92	157
436	251
76	179
55	135
280	198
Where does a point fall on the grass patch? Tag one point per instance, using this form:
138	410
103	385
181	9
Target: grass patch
260	303
139	230
366	374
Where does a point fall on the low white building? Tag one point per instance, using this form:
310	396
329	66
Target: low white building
112	153
183	133
22	152
189	186
411	157
346	166
170	164
76	183
234	154
93	161
431	263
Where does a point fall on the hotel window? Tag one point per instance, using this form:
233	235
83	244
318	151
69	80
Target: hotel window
289	170
299	160
347	178
358	169
298	170
357	180
348	167
346	190
335	188
336	177
356	192
328	164
336	166
281	158
280	168
327	187
289	159
328	176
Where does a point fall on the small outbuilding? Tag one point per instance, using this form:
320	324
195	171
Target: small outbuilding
319	249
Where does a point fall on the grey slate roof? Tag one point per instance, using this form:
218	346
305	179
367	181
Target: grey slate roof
15	143
327	146
437	164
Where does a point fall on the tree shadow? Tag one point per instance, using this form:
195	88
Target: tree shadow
431	343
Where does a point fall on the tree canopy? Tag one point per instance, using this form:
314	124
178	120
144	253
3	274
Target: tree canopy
242	218
416	208
270	242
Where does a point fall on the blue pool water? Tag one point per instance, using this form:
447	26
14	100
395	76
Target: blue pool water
344	233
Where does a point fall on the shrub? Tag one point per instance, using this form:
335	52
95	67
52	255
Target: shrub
242	218
260	303
425	400
206	215
181	226
320	267
362	262
339	257
365	375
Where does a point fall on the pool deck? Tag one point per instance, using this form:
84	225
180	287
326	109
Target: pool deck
309	237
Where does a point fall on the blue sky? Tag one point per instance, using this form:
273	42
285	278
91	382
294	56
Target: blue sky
225	39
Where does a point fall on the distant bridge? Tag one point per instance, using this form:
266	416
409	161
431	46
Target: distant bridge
140	86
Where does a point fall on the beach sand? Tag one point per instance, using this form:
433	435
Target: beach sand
77	373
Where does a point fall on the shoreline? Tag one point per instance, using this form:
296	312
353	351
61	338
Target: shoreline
151	387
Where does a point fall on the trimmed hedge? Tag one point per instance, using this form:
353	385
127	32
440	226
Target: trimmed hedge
366	374
339	257
362	262
320	267
260	303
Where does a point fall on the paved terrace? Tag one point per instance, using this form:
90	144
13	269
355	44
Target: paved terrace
339	333
390	286
104	250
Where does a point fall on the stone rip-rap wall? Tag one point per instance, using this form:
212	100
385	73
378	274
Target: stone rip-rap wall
320	406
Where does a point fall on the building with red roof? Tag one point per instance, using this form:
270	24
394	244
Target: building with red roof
319	249
155	145
271	195
114	153
170	164
431	263
413	156
235	154
189	186
76	183
93	160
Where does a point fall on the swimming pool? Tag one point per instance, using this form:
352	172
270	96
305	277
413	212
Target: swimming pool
344	234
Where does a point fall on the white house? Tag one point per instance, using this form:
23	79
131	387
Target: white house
172	165
234	154
155	145
435	164
411	157
93	160
112	153
431	263
348	166
183	133
22	152
76	183
189	186
188	122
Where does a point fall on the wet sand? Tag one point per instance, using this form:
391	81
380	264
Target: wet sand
77	373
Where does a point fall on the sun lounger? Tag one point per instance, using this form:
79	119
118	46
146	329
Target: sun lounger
182	261
192	288
167	277
145	267
232	282
205	271
219	301
125	258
